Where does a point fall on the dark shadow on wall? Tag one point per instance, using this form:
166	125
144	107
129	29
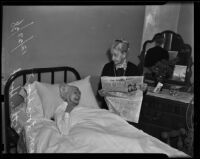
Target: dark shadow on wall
108	54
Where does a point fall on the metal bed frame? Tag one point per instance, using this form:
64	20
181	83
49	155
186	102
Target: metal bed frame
24	73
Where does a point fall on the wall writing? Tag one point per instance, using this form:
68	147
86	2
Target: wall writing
16	29
18	34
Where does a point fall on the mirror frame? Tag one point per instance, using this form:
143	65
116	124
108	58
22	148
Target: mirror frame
189	62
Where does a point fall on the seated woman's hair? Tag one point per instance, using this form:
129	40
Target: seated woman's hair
121	45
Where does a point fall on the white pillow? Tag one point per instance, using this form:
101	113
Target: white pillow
50	98
87	94
50	95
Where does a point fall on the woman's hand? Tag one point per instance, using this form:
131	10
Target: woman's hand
103	92
144	87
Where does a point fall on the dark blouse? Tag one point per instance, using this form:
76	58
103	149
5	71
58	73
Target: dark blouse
109	70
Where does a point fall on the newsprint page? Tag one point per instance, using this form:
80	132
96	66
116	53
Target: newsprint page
124	96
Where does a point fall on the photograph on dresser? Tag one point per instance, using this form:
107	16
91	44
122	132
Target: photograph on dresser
98	79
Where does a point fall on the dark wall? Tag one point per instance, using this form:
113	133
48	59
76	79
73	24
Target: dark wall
186	27
77	36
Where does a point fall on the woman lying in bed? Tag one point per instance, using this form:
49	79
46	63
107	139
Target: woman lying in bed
84	129
81	127
71	97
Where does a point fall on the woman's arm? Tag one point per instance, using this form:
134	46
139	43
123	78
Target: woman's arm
62	119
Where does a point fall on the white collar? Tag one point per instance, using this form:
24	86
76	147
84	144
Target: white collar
123	65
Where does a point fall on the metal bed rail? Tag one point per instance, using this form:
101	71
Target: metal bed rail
24	74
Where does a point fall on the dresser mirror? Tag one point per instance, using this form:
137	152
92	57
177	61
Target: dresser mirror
173	66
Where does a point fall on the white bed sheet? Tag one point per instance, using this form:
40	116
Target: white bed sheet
94	131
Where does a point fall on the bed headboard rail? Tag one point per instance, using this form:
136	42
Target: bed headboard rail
24	73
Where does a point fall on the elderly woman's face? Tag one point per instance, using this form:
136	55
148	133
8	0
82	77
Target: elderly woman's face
117	56
71	94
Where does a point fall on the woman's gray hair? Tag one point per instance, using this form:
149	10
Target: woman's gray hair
124	45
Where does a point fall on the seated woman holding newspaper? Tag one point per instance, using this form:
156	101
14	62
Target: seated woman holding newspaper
123	96
118	67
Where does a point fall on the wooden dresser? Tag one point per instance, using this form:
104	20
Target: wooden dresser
167	117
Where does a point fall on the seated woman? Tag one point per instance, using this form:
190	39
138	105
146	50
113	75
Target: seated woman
71	97
119	66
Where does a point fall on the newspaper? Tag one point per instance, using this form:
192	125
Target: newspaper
122	84
128	108
120	99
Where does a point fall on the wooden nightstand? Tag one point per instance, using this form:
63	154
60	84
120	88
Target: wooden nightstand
164	117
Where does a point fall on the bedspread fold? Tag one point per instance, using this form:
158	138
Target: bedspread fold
95	131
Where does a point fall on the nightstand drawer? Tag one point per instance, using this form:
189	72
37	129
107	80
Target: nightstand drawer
163	112
164	105
162	119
